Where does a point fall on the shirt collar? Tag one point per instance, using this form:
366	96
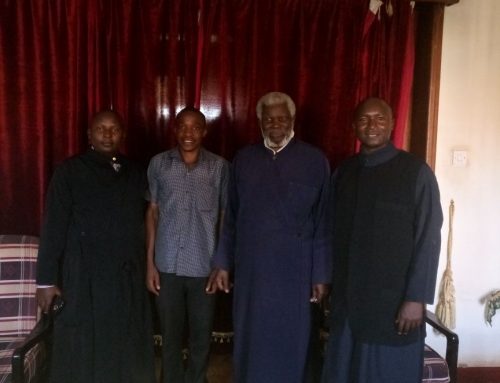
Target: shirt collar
379	156
174	153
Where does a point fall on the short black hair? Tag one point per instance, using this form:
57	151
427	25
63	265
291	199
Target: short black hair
107	113
190	109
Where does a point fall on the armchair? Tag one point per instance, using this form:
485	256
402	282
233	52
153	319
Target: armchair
437	368
24	342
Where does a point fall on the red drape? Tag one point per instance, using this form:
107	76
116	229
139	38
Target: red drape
386	60
60	61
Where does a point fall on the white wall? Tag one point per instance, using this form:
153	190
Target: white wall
469	118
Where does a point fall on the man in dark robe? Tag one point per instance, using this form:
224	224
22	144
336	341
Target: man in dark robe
275	240
92	254
387	229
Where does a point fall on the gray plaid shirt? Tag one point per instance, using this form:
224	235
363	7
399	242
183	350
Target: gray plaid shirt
190	202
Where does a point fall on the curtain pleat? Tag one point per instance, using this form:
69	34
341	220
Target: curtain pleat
61	61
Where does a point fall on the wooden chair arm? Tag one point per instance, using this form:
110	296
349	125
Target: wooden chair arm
451	344
40	333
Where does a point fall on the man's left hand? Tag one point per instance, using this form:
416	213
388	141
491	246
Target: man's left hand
410	317
319	291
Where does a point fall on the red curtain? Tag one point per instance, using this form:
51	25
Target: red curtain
386	60
60	61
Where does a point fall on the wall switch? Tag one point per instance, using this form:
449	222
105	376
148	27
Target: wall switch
460	158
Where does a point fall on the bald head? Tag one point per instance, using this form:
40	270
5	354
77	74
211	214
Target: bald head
370	102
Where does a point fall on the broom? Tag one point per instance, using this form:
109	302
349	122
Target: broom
445	308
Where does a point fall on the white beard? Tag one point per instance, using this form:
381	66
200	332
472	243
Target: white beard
277	147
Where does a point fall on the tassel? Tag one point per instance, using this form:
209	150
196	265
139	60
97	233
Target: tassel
375	6
389	9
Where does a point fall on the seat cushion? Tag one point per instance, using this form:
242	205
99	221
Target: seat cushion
18	308
33	358
435	367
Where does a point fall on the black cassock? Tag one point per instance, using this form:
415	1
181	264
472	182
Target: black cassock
92	246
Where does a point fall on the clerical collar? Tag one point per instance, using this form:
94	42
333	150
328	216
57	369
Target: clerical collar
379	156
114	161
275	151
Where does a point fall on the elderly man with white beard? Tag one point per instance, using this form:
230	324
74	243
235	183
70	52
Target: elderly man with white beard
276	243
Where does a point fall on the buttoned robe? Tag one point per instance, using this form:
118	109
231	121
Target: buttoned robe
92	246
275	239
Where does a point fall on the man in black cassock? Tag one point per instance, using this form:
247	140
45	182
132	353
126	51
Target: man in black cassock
92	254
387	223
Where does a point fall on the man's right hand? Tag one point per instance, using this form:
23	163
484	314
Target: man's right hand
45	296
153	279
218	280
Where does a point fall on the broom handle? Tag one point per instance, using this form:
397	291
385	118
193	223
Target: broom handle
450	235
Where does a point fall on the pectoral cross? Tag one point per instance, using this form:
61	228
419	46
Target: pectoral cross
115	164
